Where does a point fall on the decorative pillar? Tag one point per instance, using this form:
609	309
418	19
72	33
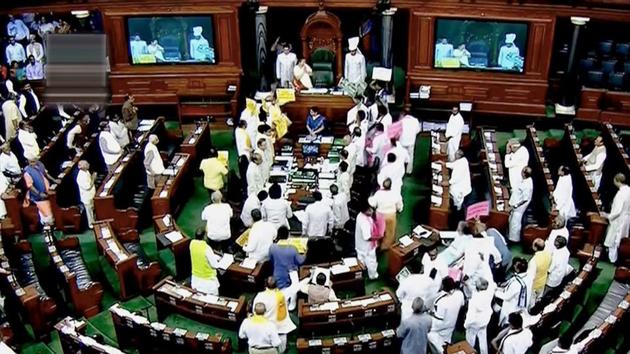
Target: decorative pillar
568	84
387	30
261	47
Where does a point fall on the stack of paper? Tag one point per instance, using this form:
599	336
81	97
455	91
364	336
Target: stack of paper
405	241
350	262
174	236
226	261
248	263
339	269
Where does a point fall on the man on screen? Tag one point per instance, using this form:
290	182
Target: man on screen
509	54
200	47
138	48
442	50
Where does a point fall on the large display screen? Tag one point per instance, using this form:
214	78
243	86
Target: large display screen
171	40
480	45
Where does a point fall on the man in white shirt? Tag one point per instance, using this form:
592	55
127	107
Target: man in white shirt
459	181
85	181
344	179
351	116
443	49
261	334
34	69
402	156
153	164
594	162
217	217
431	261
110	149
358	142
276	310
285	62
445	313
28	139
515	339
388	204
453	134
354	66
516	158
35	49
243	146
260	238
519	200
262	148
15	52
558	229
393	170
254	176
119	130
410	129
16	28
365	248
29	102
253	201
9	165
408	290
71	139
318	217
478	314
563	194
517	292
12	117
619	217
275	209
559	265
339	207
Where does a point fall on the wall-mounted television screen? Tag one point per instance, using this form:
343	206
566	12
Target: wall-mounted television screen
480	45
171	40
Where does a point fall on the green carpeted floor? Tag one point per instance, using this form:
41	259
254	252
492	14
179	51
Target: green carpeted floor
415	192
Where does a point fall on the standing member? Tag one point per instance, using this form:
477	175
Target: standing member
276	310
445	313
214	172
619	217
559	267
410	130
253	201
12	117
388	204
354	66
243	147
36	179
110	149
414	330
518	203
260	238
204	263
517	292
130	115
275	209
318	217
408	289
339	208
459	181
516	158
453	134
28	140
153	164
285	62
563	194
217	217
254	176
119	130
538	267
85	181
515	339
594	162
261	334
478	315
365	248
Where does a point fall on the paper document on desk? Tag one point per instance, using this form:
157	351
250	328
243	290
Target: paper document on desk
328	306
166	219
350	262
232	305
385	297
435	200
226	261
181	161
248	263
327	139
198	130
174	236
448	235
405	241
182	292
339	269
421	231
169	172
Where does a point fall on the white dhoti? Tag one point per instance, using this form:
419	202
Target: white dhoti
596	176
480	334
452	146
368	257
440	338
88	204
617	229
411	149
516	223
208	286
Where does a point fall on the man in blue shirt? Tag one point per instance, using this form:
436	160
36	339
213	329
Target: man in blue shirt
285	259
413	330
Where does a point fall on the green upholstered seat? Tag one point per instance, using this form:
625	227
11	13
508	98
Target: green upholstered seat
322	62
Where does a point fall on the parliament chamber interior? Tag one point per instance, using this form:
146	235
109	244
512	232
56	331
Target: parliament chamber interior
331	176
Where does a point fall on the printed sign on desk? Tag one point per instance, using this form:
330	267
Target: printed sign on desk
477	210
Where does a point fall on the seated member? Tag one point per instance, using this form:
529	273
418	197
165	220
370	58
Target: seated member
261	334
515	339
315	122
204	263
319	292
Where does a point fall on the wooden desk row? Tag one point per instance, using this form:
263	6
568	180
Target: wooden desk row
380	309
440	198
131	276
136	331
197	143
171	297
87	300
167	234
171	193
399	255
597	224
615	149
439	150
563	305
494	172
35	308
73	339
375	342
342	277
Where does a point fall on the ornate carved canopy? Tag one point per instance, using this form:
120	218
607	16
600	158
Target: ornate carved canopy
322	29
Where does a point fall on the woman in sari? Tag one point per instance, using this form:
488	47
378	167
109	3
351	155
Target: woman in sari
302	76
36	178
315	122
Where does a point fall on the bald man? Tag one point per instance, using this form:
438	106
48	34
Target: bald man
261	334
518	203
85	182
153	164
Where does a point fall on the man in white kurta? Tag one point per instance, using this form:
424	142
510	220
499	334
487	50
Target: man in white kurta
28	139
509	53
138	48
517	339
559	267
365	248
453	134
9	164
253	201
260	239
351	116
431	261
410	129
318	217
354	66
254	175
479	313
276	209
459	181
260	332
276	310
518	203
119	130
153	164
619	217
12	117
563	194
285	62
394	170
516	158
477	261
85	182
409	289
110	149
594	162
445	313
517	292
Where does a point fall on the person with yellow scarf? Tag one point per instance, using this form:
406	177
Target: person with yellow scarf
250	115
279	121
261	334
276	310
